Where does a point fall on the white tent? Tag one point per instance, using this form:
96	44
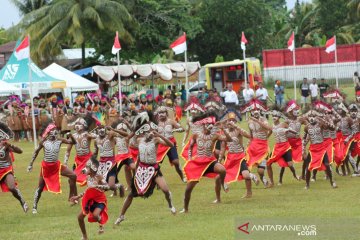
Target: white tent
74	82
8	89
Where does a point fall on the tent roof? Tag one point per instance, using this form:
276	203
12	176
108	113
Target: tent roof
83	71
164	71
8	89
16	72
73	81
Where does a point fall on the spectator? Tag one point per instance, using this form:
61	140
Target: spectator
248	93
183	94
323	87
314	90
159	98
279	93
305	92
241	96
202	96
173	93
356	79
262	94
230	97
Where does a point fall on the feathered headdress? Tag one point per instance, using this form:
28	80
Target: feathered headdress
230	114
160	109
252	105
323	106
46	127
207	118
334	94
353	107
140	119
214	103
194	104
291	105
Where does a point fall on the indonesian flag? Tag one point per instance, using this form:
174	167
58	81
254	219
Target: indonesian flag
23	50
291	42
116	47
179	45
330	45
243	41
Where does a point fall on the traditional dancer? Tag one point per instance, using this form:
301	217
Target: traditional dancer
317	157
7	180
354	150
235	161
94	202
104	146
148	172
204	163
294	121
282	150
82	146
123	156
14	118
51	168
166	128
258	149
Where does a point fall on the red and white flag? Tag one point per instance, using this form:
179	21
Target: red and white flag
243	41
291	42
179	45
330	45
23	50
116	47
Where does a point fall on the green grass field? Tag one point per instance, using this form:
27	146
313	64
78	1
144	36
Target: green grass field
151	219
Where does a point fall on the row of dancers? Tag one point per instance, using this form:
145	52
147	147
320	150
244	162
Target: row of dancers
213	146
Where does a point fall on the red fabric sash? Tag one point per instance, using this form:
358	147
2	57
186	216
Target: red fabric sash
196	168
338	145
356	151
232	165
296	149
134	153
317	152
3	173
50	172
121	157
178	112
80	163
185	151
163	150
279	150
329	149
257	151
91	196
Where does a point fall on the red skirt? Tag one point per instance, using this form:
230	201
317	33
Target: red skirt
330	149
3	173
121	157
257	151
196	168
338	145
134	153
356	151
347	146
232	165
317	152
185	150
50	172
93	196
279	150
178	112
80	163
163	150
296	149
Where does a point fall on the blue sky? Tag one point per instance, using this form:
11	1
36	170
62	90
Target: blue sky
9	14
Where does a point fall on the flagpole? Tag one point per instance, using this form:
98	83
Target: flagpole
31	100
186	77
119	78
336	65
294	75
245	70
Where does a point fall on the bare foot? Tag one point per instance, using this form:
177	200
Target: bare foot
173	210
216	201
25	207
279	183
226	188
101	229
334	185
247	195
270	185
306	187
184	211
119	220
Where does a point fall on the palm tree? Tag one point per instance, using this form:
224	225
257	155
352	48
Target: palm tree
73	22
354	7
27	6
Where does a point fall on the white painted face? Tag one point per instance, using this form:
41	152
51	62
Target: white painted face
209	127
275	118
353	114
102	132
312	119
193	112
296	112
79	127
358	98
162	115
53	133
256	113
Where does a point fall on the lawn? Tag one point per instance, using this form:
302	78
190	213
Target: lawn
151	219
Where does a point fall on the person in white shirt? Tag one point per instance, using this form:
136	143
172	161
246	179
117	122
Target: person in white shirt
262	93
230	97
248	93
314	89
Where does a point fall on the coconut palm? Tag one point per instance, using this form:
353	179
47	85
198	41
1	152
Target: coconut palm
27	6
73	22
